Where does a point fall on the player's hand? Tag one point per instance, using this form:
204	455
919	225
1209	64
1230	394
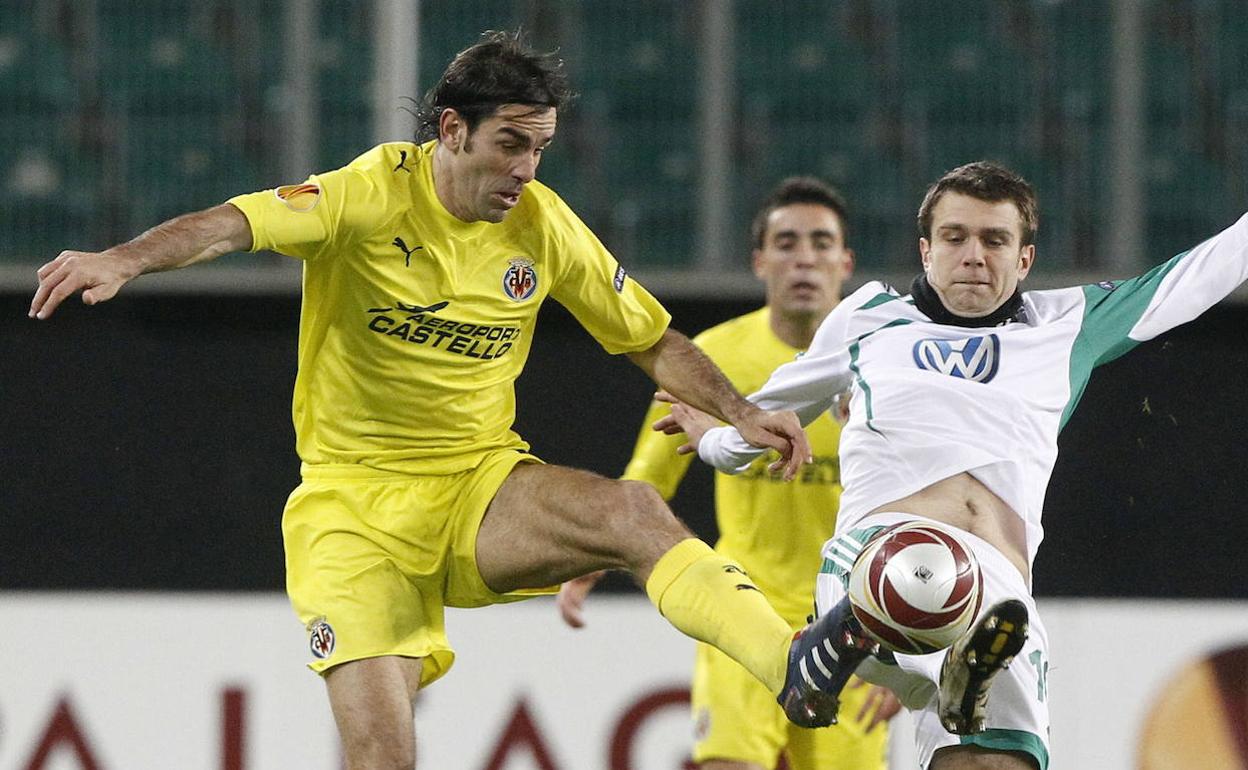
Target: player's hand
98	275
782	432
571	598
880	706
694	423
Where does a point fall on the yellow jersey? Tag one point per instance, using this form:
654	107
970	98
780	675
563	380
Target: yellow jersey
772	528
415	324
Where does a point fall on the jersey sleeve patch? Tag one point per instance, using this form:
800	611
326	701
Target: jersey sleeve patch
299	197
620	275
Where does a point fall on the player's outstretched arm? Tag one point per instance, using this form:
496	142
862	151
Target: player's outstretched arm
684	371
181	241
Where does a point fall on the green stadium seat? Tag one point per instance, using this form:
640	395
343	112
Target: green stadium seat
34	71
642	59
349	138
344	57
47	188
33	230
801	61
180	163
164	56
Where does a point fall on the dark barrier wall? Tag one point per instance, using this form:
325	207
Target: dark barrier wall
147	443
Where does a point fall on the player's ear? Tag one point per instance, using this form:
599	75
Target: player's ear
758	263
451	129
925	253
1026	258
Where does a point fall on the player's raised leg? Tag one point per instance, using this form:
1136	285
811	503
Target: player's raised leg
548	524
372	704
974	661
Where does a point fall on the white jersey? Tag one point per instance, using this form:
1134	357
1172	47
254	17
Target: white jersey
933	400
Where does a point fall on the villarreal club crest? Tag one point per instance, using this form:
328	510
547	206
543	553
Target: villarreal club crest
519	280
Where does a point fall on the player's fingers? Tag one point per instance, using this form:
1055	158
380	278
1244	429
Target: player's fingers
54	264
878	717
101	293
686	449
666	397
569	609
66	287
666	424
573	617
47	282
39	305
793	466
864	710
790	461
800	444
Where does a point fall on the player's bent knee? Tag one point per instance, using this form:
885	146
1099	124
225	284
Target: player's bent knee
645	507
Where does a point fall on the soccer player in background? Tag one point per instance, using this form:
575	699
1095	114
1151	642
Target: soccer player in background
772	529
960	389
424	267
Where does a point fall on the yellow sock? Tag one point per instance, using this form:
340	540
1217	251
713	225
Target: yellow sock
711	599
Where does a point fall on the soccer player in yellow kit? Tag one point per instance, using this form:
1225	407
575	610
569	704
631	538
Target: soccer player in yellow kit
424	267
773	529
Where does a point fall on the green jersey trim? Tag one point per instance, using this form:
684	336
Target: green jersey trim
1110	310
878	299
853	364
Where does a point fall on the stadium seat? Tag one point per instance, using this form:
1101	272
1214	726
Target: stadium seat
346	133
180	163
344	56
801	61
643	60
34	71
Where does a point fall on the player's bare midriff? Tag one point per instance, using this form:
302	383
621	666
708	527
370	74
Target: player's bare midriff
963	502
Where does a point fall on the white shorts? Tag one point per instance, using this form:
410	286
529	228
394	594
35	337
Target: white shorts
1018	708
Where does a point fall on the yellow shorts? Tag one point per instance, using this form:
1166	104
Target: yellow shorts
373	558
736	718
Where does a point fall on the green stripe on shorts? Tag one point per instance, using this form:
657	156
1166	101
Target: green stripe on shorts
844	550
1011	740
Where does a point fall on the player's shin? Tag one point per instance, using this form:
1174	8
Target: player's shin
712	600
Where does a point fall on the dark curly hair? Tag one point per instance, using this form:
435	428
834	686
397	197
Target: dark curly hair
498	69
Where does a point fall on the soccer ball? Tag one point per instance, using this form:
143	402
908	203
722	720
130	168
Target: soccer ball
915	587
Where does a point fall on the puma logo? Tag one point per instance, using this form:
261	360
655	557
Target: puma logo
402	162
407	258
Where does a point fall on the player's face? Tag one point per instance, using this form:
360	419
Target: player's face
491	164
803	259
975	258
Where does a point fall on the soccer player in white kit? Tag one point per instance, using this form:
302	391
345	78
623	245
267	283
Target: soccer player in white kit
959	391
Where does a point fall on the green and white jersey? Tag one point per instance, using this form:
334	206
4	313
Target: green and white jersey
931	400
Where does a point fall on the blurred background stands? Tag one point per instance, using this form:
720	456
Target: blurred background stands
122	113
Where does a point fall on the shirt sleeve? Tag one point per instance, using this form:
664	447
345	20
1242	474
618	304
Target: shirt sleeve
1118	315
654	455
612	307
319	216
807	385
